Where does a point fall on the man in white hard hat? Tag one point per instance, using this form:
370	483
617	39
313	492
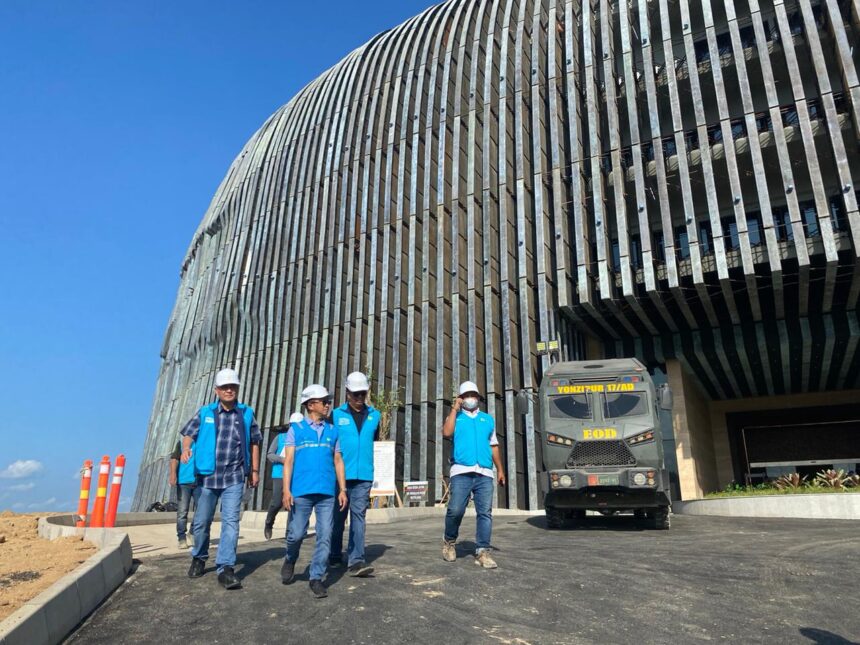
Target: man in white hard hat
357	425
226	453
476	450
275	456
313	474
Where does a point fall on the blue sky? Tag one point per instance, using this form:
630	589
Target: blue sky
118	121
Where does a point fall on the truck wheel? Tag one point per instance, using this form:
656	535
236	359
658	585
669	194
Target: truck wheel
554	518
661	520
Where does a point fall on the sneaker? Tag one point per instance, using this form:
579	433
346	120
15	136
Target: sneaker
228	579
287	571
318	589
360	570
449	553
267	532
483	559
189	541
182	543
197	566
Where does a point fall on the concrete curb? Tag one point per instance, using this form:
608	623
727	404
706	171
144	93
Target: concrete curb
827	506
54	613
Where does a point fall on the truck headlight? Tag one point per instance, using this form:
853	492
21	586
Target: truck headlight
558	440
565	480
639	479
642	437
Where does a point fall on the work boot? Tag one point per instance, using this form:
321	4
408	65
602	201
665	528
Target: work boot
318	589
360	570
182	543
267	532
335	561
483	559
197	566
287	571
228	579
449	553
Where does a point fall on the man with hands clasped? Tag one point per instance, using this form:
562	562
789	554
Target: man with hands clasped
313	474
476	450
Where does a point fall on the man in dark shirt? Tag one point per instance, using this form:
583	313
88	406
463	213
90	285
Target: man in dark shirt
226	452
182	476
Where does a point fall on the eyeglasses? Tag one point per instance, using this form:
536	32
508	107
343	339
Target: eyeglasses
229	386
325	402
357	395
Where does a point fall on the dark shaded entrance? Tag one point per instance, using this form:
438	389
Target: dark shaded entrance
767	444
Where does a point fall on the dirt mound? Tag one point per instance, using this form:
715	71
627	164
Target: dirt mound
29	564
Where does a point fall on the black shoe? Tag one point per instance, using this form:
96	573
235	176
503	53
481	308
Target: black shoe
267	532
360	570
287	570
197	566
228	579
318	589
335	562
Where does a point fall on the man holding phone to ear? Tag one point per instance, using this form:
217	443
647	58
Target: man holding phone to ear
476	450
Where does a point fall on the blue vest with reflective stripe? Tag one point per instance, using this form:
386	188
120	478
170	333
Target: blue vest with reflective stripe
472	440
278	469
313	466
204	455
357	447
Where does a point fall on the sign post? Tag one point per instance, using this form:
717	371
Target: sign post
384	471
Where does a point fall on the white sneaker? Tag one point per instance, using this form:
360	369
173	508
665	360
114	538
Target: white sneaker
183	543
189	540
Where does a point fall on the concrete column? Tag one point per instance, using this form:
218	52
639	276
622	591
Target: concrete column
694	444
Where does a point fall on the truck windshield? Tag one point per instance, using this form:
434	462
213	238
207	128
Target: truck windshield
571	406
624	404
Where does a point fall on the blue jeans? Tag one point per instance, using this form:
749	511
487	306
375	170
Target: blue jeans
231	505
300	515
184	494
358	492
462	486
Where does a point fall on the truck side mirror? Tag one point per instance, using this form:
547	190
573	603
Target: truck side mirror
664	397
521	403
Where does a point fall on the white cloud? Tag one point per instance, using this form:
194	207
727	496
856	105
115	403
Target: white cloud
42	505
21	487
21	468
18	505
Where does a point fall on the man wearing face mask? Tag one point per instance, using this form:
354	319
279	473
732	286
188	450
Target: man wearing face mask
476	449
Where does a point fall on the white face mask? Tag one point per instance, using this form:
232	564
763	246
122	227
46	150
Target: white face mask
470	404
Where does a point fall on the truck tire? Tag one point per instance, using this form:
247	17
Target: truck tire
554	518
660	520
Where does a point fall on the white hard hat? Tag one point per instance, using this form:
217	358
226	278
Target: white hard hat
227	376
468	386
357	382
296	417
314	391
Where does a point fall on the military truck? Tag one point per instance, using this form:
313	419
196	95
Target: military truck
598	428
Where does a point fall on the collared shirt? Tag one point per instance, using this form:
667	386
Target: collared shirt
319	426
359	416
459	469
229	460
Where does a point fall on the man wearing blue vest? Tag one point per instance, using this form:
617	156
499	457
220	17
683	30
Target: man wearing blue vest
182	476
275	456
226	451
313	473
476	449
357	424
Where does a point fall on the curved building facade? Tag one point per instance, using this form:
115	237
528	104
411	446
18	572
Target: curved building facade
671	180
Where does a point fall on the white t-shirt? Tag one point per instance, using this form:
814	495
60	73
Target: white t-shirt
459	469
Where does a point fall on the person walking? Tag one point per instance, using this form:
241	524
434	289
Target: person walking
357	426
476	449
313	473
226	452
275	456
182	476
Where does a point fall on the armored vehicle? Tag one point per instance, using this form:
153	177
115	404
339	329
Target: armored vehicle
598	428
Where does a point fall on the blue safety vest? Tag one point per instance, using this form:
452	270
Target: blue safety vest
313	466
357	447
472	440
204	455
278	469
187	473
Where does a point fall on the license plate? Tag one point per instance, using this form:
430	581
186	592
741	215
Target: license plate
607	480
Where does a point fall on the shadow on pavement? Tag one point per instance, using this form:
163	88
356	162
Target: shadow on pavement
593	523
824	637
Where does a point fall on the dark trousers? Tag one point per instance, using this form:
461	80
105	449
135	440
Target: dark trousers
277	501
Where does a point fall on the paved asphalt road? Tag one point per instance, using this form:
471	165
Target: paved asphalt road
707	579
